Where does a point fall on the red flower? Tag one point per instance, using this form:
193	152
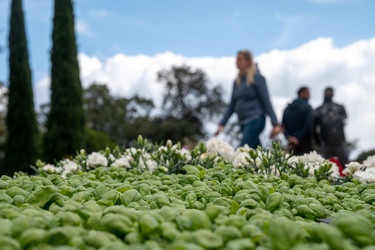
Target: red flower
337	162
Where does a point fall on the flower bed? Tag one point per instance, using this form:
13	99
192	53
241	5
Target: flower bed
165	197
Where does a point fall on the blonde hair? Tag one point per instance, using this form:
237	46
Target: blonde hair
251	69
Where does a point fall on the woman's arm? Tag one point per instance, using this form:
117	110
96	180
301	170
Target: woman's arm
262	91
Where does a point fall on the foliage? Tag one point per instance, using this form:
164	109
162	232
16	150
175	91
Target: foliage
170	158
187	105
106	205
188	101
22	131
119	117
65	122
97	140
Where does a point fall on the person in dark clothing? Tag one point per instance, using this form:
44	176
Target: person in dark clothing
251	101
329	122
297	122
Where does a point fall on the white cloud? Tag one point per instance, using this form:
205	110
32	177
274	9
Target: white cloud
130	75
82	27
316	64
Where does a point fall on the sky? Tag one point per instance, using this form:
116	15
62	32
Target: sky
123	44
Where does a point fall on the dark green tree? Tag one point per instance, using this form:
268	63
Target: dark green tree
65	121
97	140
99	110
123	119
188	103
22	130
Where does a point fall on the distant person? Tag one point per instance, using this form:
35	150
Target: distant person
250	101
298	123
329	122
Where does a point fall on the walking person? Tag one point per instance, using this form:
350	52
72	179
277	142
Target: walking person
297	122
329	123
250	101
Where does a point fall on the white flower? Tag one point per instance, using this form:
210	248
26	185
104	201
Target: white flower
220	147
335	170
96	159
274	170
131	151
49	168
163	149
353	166
347	171
311	158
240	159
149	165
367	175
65	173
258	161
141	163
111	157
152	165
370	161
69	165
121	162
292	160
184	153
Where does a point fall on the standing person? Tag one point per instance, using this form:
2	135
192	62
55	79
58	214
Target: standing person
251	101
329	122
298	123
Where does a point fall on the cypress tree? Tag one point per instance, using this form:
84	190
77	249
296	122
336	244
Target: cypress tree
65	120
21	142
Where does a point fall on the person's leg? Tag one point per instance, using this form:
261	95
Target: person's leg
327	151
251	132
304	147
342	153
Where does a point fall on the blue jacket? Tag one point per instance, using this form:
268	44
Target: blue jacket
250	102
298	120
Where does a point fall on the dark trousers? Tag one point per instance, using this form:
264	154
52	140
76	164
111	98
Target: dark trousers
251	131
304	147
339	151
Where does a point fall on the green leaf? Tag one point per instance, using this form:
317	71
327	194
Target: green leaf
130	196
41	195
234	207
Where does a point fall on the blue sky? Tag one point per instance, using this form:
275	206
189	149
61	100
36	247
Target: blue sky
191	28
123	44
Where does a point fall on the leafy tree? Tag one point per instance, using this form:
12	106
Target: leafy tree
22	131
123	119
97	140
65	121
188	102
98	105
